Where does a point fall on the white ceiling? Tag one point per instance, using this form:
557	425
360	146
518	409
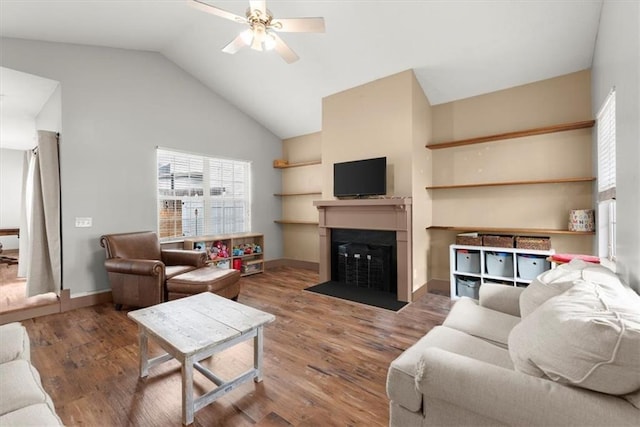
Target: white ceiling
22	97
457	48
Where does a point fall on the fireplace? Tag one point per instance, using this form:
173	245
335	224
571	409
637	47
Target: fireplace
351	227
364	259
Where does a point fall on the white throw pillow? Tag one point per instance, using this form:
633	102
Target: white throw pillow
558	280
589	336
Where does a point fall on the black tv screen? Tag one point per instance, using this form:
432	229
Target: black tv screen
360	178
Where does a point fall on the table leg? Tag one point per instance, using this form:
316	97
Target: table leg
257	354
143	344
187	391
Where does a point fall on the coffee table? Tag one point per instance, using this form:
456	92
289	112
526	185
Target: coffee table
194	328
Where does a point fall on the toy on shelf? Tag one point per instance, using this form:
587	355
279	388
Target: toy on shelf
218	250
246	249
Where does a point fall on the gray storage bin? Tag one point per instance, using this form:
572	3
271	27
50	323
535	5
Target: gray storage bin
531	266
499	264
467	287
468	261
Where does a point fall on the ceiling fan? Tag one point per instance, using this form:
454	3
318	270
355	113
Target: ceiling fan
261	34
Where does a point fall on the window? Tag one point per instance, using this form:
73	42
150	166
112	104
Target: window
606	134
200	195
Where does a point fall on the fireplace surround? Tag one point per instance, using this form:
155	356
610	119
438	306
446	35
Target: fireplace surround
384	214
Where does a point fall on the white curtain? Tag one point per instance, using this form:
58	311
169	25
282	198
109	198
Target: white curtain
43	265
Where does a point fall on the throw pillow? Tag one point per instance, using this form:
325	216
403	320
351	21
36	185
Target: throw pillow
558	280
588	336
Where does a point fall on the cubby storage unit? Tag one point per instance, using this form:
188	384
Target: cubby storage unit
509	266
248	262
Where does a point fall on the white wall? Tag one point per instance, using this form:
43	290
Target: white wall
11	162
616	63
118	105
50	116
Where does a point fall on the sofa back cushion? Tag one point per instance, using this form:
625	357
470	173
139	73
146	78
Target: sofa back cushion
556	281
589	336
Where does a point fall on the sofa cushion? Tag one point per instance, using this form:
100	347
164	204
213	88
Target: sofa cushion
20	387
401	387
588	336
556	281
15	342
490	325
39	415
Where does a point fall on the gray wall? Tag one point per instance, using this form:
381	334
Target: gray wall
11	162
117	106
616	63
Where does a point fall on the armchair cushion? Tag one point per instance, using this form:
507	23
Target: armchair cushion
588	337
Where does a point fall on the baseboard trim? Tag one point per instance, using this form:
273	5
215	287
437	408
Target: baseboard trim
69	303
420	292
25	313
442	286
294	263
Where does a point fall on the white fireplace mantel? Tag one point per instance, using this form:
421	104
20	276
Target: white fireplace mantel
393	214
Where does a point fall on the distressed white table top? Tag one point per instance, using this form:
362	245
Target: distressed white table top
200	321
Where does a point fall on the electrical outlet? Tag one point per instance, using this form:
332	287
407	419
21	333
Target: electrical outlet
84	222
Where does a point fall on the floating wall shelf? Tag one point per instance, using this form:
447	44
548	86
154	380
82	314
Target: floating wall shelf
530	182
287	221
297	165
499	230
517	134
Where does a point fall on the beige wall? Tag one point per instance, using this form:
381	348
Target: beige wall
372	120
300	241
421	177
558	155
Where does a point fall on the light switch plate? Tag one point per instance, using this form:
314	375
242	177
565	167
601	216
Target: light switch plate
84	222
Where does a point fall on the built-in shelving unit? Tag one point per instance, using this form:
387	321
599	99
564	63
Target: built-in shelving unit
286	221
517	134
499	230
311	193
297	165
502	183
251	261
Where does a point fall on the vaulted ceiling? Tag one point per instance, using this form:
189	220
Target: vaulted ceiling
457	49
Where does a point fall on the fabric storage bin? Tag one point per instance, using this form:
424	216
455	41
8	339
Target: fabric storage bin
499	264
531	266
468	261
467	287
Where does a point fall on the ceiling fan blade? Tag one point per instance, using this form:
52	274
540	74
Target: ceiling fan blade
284	50
204	7
298	25
258	5
235	45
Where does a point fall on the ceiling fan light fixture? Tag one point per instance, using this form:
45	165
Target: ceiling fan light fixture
269	41
247	36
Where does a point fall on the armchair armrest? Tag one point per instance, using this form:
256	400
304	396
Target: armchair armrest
514	398
502	298
184	257
141	267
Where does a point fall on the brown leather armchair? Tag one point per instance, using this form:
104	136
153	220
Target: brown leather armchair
138	268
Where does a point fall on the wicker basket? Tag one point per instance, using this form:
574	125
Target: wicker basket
540	243
497	241
462	239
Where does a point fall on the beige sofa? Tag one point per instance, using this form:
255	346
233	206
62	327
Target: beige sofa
565	351
23	401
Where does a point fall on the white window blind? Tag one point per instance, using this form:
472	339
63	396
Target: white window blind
606	126
199	195
606	134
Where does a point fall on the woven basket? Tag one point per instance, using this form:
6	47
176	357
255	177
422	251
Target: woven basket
497	241
540	243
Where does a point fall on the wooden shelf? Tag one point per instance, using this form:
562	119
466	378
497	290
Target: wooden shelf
311	193
287	221
517	134
530	182
297	165
499	230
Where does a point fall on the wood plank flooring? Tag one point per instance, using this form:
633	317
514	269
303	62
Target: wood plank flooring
325	361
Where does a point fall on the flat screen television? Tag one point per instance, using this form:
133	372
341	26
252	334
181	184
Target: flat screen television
360	178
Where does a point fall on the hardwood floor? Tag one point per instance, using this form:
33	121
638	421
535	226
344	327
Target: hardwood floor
13	291
325	361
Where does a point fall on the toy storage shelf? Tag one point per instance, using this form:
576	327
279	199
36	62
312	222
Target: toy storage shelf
481	275
249	263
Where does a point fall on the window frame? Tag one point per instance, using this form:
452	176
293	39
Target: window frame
606	173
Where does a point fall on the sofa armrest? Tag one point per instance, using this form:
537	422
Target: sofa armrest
141	267
514	398
184	257
502	298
